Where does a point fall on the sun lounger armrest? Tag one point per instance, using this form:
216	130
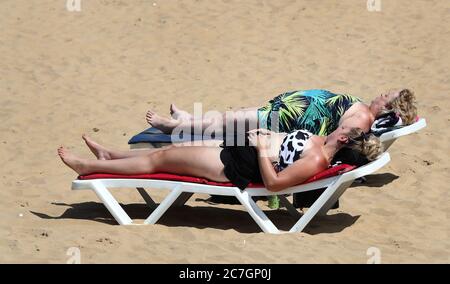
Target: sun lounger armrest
368	169
394	134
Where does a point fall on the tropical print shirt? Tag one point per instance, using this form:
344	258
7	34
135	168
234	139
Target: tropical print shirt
318	111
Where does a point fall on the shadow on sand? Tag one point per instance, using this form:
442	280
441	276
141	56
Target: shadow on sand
202	217
376	180
219	218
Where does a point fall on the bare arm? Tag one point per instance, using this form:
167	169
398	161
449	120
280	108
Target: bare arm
361	118
295	174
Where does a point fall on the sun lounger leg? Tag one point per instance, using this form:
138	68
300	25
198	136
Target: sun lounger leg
111	204
182	199
257	214
291	209
146	197
330	193
330	202
163	206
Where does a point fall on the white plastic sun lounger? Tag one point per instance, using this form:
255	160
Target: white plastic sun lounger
180	192
389	137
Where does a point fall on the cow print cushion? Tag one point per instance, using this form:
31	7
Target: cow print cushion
292	148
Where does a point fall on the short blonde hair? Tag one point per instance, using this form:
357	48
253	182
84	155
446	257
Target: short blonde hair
405	106
367	144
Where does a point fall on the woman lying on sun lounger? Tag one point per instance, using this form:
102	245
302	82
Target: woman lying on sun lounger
318	111
279	160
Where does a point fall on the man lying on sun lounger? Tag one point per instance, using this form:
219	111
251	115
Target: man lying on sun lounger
318	111
279	160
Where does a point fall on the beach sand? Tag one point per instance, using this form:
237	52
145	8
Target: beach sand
97	71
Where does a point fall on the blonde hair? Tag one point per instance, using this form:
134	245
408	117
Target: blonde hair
367	144
405	106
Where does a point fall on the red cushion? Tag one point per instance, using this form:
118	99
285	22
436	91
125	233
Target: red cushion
331	172
334	171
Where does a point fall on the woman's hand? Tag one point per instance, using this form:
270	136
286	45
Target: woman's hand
259	140
261	131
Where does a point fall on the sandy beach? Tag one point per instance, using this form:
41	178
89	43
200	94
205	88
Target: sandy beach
97	71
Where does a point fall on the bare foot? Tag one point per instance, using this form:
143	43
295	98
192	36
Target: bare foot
179	114
99	151
72	161
164	124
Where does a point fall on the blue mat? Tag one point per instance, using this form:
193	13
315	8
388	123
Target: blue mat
153	135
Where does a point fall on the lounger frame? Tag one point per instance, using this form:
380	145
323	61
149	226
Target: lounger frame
389	137
180	192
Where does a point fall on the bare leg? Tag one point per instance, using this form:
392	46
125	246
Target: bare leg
103	153
248	117
179	114
162	123
193	161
